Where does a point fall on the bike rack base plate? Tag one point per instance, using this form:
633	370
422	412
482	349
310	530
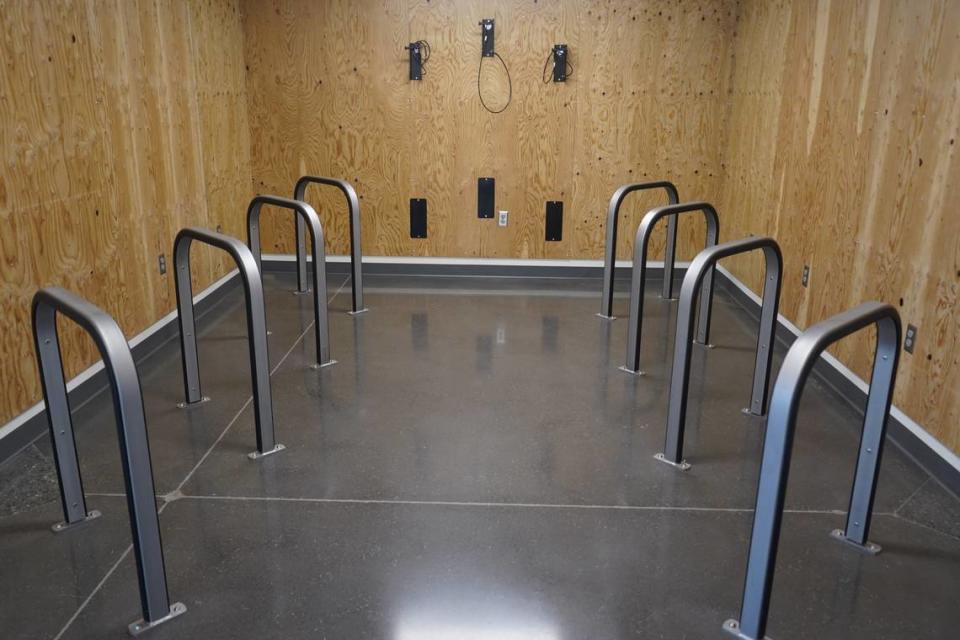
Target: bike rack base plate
683	465
60	527
138	627
638	372
256	455
869	548
187	405
732	627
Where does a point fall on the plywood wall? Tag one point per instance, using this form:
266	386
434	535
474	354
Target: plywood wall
329	94
842	144
829	124
121	122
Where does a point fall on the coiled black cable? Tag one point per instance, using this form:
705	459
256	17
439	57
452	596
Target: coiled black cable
509	85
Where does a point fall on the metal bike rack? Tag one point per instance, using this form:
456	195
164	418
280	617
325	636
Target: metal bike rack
356	267
778	445
132	432
637	284
305	215
610	255
256	329
705	262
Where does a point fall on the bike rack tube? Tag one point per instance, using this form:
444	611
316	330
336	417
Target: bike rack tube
305	215
132	432
256	328
778	445
356	267
610	252
637	284
706	261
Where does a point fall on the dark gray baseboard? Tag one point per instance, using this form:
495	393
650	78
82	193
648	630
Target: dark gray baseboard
899	434
29	431
487	270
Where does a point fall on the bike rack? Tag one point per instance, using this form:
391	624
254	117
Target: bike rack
132	432
778	445
610	254
706	261
353	204
637	284
305	215
256	329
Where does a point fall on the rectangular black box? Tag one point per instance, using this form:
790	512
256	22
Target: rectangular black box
418	217
486	197
554	221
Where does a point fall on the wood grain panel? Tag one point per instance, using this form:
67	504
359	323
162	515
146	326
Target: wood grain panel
329	94
841	143
123	121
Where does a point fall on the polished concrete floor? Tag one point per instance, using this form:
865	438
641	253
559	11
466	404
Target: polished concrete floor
475	467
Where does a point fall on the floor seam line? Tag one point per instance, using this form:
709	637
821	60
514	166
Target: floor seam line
897	516
96	589
515	505
912	495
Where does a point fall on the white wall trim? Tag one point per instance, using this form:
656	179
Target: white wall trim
97	366
913	426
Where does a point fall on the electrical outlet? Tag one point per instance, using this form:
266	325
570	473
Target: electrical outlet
910	338
163	264
503	218
805	278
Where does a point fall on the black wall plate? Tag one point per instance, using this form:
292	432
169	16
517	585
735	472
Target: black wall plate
486	37
418	217
486	197
554	225
416	61
560	53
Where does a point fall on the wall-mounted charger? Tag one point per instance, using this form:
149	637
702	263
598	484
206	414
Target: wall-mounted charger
560	62
562	69
419	54
416	68
486	38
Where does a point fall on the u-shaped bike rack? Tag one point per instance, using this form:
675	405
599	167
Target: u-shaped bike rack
705	261
305	216
610	252
778	446
356	266
256	328
637	284
132	431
